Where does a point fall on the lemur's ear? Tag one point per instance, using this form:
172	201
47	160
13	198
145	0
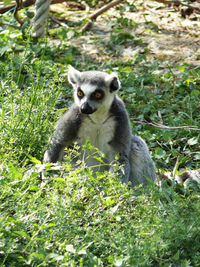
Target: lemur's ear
73	75
113	82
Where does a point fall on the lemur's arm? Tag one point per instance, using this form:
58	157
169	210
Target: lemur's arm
121	141
64	134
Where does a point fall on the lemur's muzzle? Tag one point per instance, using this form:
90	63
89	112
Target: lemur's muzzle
87	109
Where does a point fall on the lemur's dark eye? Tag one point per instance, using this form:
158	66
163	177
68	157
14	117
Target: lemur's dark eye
97	95
80	94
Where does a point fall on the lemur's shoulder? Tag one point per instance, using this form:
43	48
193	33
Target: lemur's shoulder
120	113
68	125
122	132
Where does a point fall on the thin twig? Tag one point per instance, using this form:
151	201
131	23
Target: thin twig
162	126
105	8
9	25
98	13
58	22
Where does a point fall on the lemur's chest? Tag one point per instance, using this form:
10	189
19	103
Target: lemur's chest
99	134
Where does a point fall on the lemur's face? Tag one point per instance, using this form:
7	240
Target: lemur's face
93	90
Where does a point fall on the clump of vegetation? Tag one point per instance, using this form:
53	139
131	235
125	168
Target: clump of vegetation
80	220
71	217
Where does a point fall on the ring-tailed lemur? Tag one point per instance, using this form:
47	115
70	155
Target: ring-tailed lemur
99	115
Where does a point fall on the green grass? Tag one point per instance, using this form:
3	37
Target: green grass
71	218
78	220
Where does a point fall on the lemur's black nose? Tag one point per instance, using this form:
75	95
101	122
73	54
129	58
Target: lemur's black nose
87	109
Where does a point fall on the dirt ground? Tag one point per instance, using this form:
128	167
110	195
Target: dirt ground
166	36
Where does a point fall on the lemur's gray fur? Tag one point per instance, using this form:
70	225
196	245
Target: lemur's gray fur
99	115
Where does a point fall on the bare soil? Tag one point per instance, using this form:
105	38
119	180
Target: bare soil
166	36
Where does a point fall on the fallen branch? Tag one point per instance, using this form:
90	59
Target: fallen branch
178	3
161	126
184	177
175	2
98	13
18	7
27	3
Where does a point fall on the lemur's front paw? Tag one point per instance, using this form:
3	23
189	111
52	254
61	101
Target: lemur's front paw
47	158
